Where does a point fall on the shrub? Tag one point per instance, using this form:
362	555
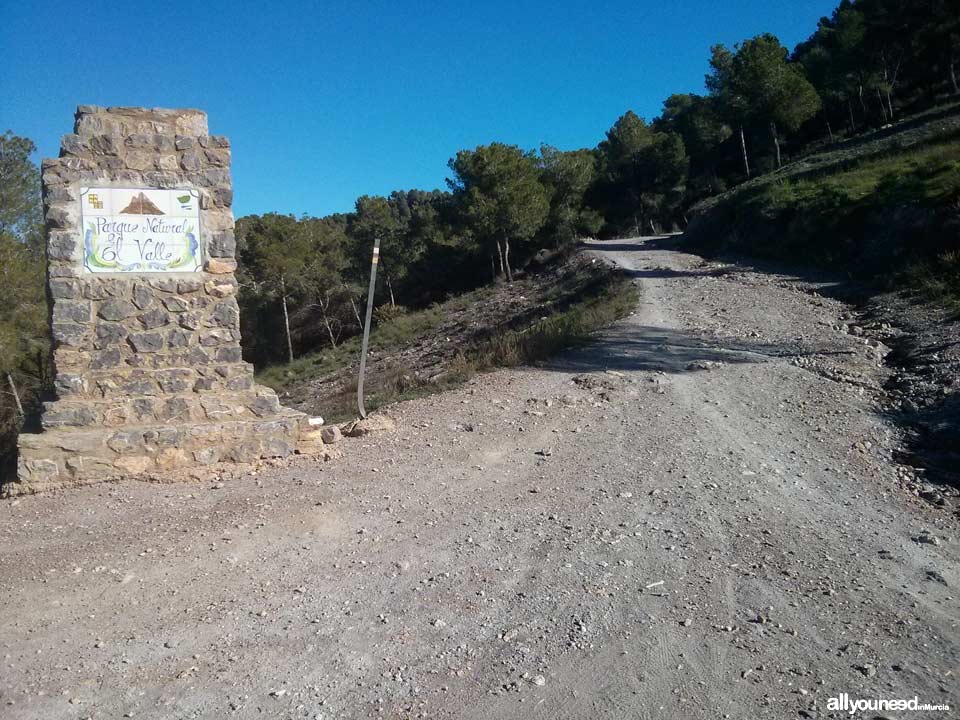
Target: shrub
386	314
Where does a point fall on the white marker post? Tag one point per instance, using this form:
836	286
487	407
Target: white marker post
366	326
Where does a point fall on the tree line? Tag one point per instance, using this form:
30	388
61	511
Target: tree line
25	373
864	66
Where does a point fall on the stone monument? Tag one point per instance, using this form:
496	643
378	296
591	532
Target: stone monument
146	328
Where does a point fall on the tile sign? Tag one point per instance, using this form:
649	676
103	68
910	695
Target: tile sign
140	230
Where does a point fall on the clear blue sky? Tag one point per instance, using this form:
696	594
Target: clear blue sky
325	101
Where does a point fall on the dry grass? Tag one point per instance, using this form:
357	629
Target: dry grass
611	296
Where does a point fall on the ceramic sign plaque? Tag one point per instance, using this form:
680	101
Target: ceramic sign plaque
140	230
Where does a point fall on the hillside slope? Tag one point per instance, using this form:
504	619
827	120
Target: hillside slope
883	213
562	298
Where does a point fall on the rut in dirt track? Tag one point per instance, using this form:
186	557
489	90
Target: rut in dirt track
694	517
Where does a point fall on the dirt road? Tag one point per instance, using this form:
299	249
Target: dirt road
695	517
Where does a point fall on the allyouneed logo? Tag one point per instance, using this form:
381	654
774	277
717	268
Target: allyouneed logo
847	704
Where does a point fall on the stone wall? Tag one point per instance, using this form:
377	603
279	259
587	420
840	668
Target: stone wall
149	373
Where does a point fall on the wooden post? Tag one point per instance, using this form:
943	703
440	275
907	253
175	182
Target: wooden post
286	317
366	326
743	146
16	395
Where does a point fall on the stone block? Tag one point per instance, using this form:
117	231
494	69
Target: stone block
166	162
210	177
190	320
118	416
116	309
139	385
229	354
94	290
226	315
276	447
179	338
238	384
203	385
215	337
190	160
69	334
172	458
207	456
63	289
81	441
168	285
138	141
197	356
219	220
38	471
140	161
107	386
126	442
331	435
163	143
149	342
154	318
187	286
217	409
61	246
368	425
142	296
312	437
78	416
134	464
143	408
216	157
59	216
105	359
86	466
103	144
176	408
108	334
220	266
222	197
58	194
265	405
117	288
162	179
175	381
72	311
73	144
69	384
222	244
162	437
189	122
220	289
176	304
243	452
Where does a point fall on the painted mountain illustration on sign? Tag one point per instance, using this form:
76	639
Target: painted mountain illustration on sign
141	205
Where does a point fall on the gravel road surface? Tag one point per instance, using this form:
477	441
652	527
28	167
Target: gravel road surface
697	516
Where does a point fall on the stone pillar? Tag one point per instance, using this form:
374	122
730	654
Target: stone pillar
144	315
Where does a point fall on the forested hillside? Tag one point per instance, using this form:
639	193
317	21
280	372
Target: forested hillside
869	65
